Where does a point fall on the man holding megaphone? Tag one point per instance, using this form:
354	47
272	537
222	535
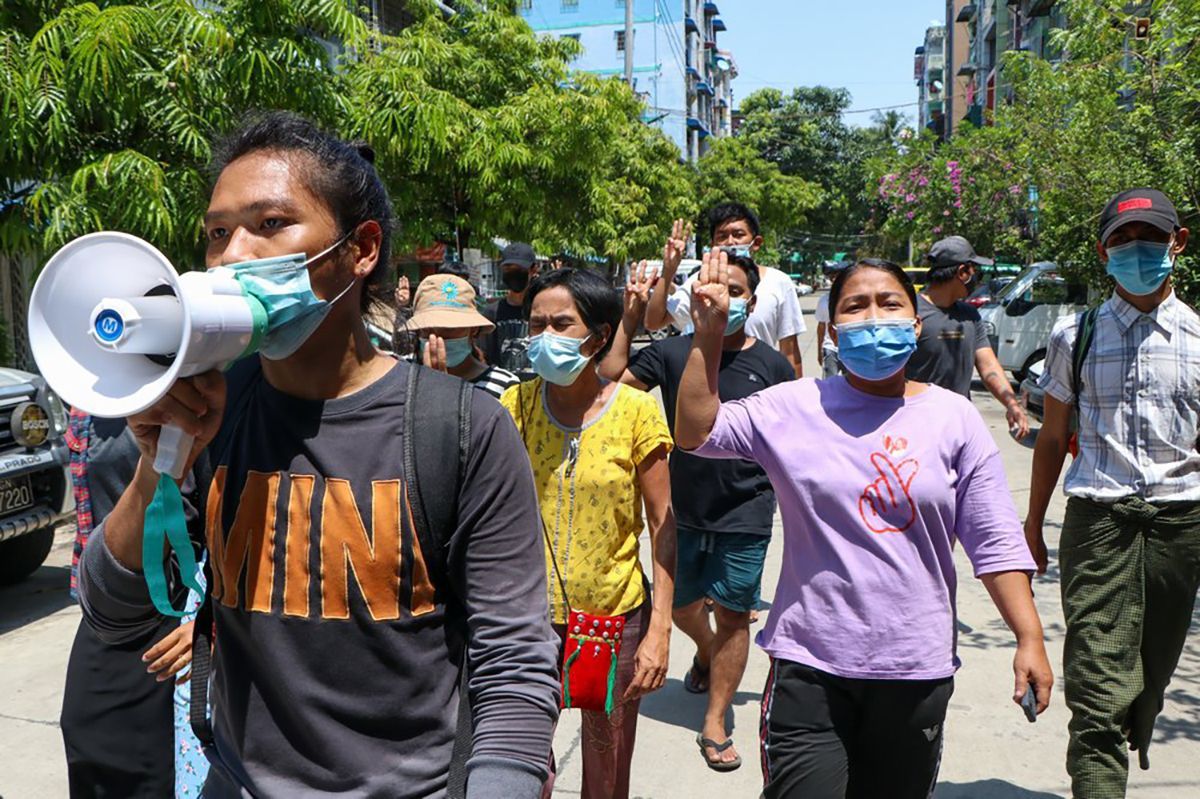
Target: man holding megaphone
357	564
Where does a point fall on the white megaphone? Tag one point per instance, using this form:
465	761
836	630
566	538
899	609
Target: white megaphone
113	326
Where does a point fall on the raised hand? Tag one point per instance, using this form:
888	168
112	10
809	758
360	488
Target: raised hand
403	292
637	290
886	505
710	294
434	355
675	248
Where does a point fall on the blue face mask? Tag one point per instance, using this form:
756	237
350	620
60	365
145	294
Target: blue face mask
1140	267
557	359
282	288
876	349
457	350
739	309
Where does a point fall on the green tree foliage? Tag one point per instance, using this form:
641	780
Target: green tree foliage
110	108
1069	135
481	128
486	132
805	135
733	171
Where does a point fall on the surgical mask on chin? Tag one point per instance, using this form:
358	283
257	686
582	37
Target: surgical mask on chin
739	309
457	350
557	359
876	349
281	285
1140	267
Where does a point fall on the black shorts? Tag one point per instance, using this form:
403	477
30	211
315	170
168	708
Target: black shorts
829	737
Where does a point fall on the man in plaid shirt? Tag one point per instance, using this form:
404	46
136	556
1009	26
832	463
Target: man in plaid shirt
1130	547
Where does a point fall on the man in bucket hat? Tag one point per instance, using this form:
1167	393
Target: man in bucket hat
447	321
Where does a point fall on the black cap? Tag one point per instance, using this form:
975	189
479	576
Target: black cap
518	254
954	251
1138	205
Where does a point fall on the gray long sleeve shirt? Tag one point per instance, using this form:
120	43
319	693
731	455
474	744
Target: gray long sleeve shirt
336	660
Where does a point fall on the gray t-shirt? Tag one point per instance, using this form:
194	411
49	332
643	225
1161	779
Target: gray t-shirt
945	353
336	662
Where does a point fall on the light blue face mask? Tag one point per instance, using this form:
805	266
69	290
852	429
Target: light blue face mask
876	349
457	350
1140	267
734	250
281	285
557	359
739	310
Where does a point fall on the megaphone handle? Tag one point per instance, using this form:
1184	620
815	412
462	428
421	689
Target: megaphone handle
174	446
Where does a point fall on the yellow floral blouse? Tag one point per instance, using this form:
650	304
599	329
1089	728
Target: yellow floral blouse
590	495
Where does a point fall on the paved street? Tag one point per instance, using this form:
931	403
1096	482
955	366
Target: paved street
991	751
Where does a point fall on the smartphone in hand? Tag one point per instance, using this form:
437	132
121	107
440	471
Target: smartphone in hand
1029	704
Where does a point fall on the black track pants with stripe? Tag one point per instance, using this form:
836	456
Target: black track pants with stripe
829	737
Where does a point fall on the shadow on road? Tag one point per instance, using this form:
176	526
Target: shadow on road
988	789
42	594
674	705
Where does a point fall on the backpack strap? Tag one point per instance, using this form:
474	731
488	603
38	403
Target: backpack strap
1085	333
241	379
435	481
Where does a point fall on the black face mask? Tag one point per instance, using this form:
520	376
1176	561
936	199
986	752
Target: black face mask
973	283
515	280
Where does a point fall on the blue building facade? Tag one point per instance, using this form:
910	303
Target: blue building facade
682	76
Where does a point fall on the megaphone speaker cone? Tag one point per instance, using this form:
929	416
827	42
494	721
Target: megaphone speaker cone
81	276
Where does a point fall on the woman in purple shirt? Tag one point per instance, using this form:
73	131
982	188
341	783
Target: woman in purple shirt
861	634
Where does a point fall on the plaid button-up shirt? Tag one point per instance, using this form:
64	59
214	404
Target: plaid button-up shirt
1139	409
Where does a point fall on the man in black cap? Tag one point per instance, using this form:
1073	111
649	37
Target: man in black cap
1130	546
953	342
507	346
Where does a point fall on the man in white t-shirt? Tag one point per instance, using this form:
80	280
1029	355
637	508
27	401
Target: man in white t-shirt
827	354
776	319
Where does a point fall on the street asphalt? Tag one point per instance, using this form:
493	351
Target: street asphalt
991	751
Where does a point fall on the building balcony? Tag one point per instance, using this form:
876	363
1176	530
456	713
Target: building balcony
690	25
704	88
710	8
967	69
967	13
719	25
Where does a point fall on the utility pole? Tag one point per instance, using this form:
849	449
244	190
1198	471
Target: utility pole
629	43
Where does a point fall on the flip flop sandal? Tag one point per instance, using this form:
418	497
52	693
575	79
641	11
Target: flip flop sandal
691	680
717	765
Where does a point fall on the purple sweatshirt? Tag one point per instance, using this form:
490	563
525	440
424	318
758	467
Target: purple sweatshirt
874	492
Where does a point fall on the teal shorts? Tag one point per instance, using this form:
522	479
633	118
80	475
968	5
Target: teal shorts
725	567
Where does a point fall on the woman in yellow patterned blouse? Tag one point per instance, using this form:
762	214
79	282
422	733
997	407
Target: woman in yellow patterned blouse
599	452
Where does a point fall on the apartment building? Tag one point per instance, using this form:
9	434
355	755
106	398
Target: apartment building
679	70
977	34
